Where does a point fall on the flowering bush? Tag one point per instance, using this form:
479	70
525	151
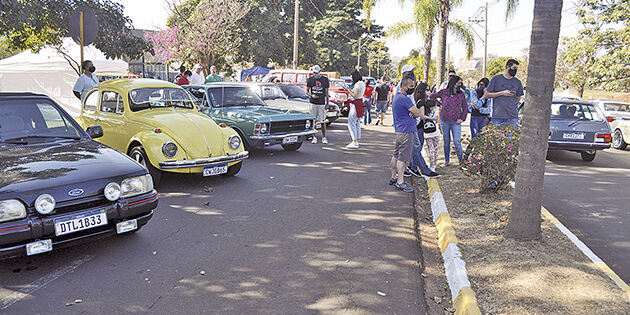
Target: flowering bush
493	156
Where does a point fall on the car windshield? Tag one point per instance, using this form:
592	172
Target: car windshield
145	98
24	120
617	107
233	96
575	111
340	83
271	92
294	91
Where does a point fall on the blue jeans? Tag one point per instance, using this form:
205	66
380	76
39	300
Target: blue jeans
367	118
456	129
500	121
354	123
476	124
417	161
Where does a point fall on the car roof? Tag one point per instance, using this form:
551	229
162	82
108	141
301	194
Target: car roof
227	84
131	84
612	101
22	95
572	101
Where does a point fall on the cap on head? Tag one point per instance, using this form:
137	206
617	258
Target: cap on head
407	68
316	69
197	66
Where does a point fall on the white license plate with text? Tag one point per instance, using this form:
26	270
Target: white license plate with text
573	135
215	170
80	222
288	140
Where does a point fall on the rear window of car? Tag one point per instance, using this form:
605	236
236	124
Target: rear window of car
617	107
233	96
575	111
294	91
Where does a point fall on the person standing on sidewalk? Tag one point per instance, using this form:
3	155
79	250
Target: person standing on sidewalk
383	100
317	88
418	167
479	108
213	76
357	109
197	76
367	100
452	114
506	91
430	116
404	113
86	81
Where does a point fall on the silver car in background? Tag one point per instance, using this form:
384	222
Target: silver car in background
618	116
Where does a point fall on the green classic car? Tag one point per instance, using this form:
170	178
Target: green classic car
237	106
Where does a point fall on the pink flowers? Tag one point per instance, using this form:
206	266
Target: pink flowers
509	149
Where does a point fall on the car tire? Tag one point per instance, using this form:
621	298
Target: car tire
137	154
233	170
292	146
618	141
588	156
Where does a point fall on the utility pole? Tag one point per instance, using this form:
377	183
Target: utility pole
378	67
485	41
359	55
296	26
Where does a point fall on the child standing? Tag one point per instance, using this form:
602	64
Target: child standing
429	114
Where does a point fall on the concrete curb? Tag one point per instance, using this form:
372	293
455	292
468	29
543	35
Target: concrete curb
587	251
462	294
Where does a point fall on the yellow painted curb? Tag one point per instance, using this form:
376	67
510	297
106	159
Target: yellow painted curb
547	215
466	303
433	187
446	233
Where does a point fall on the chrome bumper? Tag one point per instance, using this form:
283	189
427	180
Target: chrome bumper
284	135
204	161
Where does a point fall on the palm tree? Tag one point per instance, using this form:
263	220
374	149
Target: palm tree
425	18
524	221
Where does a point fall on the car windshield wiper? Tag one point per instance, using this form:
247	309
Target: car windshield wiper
575	122
22	139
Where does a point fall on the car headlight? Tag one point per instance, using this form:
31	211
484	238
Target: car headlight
307	125
45	204
169	149
11	209
112	191
134	186
235	142
263	128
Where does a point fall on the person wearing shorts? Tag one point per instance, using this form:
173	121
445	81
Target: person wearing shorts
382	101
404	112
317	88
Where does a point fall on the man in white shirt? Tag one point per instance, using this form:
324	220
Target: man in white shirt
86	81
197	76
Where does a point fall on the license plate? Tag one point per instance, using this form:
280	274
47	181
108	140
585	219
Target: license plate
215	170
80	222
573	135
288	140
331	114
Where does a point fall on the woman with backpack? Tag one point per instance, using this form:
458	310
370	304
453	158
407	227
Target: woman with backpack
418	167
430	117
479	108
356	109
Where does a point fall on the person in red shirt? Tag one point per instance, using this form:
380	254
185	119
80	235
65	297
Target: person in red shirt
184	80
367	100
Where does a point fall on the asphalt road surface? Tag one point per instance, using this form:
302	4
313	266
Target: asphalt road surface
592	199
306	232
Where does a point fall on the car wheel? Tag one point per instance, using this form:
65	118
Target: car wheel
588	155
234	169
618	141
292	146
138	154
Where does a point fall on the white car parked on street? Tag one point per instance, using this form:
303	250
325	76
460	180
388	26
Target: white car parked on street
618	116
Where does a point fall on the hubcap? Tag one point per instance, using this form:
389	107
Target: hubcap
138	157
617	138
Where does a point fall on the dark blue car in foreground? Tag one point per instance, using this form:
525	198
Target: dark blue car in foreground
58	186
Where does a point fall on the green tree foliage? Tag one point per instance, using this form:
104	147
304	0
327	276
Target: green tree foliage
416	59
5	48
33	24
599	56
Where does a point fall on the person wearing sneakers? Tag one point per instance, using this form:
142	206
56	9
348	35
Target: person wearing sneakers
405	113
356	109
317	88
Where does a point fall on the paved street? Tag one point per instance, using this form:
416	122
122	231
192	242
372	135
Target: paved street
312	231
592	200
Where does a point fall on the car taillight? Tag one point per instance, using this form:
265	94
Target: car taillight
603	137
610	118
257	129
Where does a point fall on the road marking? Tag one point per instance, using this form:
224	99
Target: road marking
587	251
20	294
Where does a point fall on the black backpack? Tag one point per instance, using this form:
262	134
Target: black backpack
429	126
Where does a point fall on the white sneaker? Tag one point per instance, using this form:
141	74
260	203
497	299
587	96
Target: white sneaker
350	145
314	140
324	140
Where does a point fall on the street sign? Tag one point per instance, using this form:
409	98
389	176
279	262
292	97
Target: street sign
90	26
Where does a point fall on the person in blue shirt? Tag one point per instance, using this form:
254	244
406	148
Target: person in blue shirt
480	108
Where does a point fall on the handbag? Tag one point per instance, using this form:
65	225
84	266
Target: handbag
429	126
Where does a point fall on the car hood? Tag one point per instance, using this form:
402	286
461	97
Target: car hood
26	171
285	104
268	114
194	132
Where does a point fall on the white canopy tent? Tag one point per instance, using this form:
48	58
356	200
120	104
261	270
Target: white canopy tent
49	72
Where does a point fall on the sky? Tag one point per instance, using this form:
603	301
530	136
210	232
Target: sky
505	38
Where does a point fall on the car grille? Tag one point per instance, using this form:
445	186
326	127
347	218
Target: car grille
82	205
287	126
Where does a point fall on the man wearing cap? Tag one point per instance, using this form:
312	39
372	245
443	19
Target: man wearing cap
317	88
197	76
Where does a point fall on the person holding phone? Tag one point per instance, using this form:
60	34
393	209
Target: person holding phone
505	90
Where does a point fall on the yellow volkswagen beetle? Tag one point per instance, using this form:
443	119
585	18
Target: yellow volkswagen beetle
157	124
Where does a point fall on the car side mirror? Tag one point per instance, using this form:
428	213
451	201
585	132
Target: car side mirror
95	132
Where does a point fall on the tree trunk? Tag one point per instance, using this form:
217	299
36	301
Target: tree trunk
441	57
428	45
581	90
524	222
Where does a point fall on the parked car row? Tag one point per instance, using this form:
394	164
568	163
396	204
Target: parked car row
60	187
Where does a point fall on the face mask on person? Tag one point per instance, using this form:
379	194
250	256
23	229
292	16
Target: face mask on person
409	91
316	75
512	72
92	69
